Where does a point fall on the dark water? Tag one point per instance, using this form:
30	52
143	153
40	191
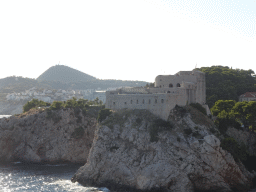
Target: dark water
43	178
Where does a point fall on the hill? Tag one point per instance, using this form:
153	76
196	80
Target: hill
64	74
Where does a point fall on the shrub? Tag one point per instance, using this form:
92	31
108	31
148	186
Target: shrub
34	103
239	152
78	133
180	110
113	148
56	105
199	107
187	131
223	124
53	116
138	121
157	126
103	114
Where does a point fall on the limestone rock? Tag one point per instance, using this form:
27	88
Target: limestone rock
36	138
123	155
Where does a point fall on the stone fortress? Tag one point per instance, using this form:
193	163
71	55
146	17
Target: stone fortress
183	88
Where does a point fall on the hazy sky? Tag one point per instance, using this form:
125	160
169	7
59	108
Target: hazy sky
126	39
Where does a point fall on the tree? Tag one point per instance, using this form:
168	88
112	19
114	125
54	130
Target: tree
57	105
34	103
223	83
222	105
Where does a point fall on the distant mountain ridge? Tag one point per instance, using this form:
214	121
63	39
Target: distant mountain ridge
65	74
61	77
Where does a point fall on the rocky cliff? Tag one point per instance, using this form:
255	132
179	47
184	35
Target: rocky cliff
136	151
38	136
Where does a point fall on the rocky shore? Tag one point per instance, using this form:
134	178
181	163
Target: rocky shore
131	150
38	137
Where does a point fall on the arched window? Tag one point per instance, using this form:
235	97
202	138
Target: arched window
143	101
162	100
125	103
137	101
155	100
178	85
114	103
160	86
131	101
149	101
170	85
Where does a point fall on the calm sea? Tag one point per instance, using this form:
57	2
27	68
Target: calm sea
20	177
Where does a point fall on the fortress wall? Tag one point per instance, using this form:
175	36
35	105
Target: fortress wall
134	89
165	90
158	104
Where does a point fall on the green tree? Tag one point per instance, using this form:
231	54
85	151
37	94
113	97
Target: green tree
103	114
223	83
34	103
56	105
250	111
222	105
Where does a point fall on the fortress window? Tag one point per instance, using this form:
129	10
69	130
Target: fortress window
125	103
149	101
170	85
143	101
114	103
155	100
131	101
137	101
162	101
160	86
178	85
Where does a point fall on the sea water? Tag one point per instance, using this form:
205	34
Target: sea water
17	176
24	177
6	116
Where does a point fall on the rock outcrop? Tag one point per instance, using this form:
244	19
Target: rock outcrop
137	152
37	136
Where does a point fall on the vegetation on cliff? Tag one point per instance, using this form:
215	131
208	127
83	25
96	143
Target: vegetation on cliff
232	113
84	106
224	83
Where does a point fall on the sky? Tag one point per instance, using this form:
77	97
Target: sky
126	39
